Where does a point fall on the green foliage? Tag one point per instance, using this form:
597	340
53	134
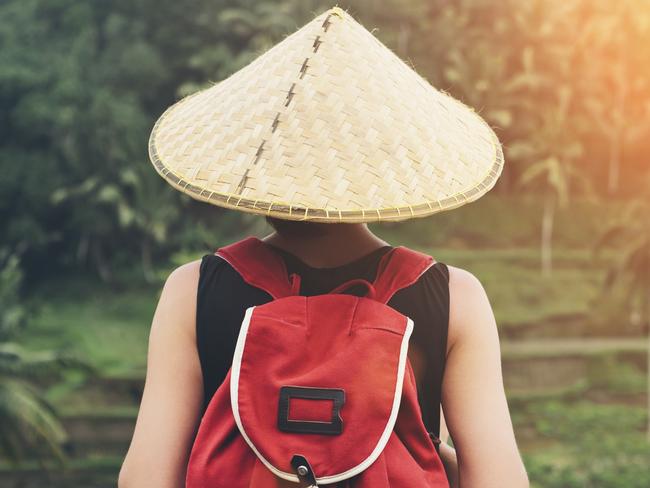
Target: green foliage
629	233
27	424
108	328
610	373
29	427
565	83
601	446
12	311
82	83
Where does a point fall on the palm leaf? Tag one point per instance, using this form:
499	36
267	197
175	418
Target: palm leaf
28	425
627	266
19	362
533	172
609	237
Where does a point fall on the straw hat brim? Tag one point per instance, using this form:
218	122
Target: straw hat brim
427	155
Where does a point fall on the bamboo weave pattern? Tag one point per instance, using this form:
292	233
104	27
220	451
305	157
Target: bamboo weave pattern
328	125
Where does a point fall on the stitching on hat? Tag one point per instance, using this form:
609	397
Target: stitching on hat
425	208
258	154
244	178
303	68
326	23
317	43
276	120
290	95
243	181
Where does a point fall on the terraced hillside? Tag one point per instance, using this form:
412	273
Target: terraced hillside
574	365
549	384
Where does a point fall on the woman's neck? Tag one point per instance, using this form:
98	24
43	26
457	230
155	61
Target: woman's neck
328	245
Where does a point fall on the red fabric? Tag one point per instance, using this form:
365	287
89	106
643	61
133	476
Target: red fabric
314	410
325	341
260	266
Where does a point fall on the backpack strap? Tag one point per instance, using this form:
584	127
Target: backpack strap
399	268
260	267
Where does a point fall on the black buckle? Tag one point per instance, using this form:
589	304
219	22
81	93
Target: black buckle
436	441
334	427
304	471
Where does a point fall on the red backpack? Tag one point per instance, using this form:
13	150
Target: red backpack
321	391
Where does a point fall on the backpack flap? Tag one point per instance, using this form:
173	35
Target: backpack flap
317	382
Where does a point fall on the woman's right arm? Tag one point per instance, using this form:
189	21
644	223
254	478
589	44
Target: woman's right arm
448	453
173	393
473	396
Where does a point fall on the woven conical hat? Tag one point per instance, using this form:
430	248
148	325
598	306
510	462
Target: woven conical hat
329	125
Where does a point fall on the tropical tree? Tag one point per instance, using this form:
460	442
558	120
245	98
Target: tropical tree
614	97
555	177
546	144
29	426
82	83
80	87
630	233
552	154
26	423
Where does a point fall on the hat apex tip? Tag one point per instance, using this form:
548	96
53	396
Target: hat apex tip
336	10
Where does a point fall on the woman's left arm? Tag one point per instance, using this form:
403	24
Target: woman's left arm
473	397
173	394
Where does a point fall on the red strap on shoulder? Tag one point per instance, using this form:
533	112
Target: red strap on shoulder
260	267
399	269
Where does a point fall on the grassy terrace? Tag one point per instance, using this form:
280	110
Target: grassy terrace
574	364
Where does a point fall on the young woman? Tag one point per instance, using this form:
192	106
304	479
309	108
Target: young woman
341	131
473	400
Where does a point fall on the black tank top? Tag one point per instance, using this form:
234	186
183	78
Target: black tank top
223	297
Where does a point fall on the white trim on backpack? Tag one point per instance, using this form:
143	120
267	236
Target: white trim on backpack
383	439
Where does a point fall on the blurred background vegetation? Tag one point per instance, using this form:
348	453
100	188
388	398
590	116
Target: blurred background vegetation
88	231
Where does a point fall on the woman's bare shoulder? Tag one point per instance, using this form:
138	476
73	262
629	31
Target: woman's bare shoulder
183	279
469	306
184	275
464	281
177	303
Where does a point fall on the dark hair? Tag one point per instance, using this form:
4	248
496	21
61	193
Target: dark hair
295	228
